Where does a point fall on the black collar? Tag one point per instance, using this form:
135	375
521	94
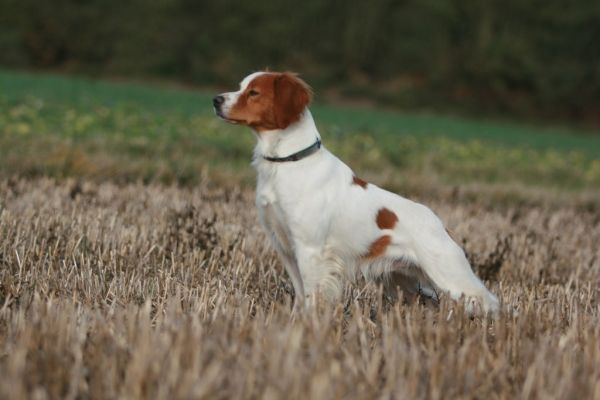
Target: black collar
313	148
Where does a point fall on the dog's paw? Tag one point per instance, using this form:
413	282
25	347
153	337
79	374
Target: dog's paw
485	305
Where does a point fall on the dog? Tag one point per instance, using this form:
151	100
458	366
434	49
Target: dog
327	224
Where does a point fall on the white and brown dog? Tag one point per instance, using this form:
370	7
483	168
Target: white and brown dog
325	222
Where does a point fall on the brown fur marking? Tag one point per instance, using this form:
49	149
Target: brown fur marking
378	247
386	219
357	181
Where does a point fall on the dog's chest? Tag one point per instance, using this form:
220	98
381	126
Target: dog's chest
271	213
266	202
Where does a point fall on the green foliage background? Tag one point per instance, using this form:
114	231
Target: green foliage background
71	127
524	58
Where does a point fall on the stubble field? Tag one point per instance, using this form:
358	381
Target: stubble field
132	283
153	291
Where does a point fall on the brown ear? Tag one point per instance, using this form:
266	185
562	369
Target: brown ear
292	95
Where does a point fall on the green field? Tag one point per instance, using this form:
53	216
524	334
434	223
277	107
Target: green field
59	126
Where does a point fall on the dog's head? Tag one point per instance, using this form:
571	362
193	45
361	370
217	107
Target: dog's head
266	101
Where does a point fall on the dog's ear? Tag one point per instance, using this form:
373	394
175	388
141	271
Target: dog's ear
292	95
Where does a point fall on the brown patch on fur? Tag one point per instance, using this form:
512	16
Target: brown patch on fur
292	95
357	181
386	219
378	247
271	101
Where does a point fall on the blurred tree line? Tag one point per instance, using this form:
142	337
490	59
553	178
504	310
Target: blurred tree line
529	58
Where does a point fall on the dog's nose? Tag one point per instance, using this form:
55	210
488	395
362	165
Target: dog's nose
218	100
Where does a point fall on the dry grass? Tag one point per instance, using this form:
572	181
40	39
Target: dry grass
140	291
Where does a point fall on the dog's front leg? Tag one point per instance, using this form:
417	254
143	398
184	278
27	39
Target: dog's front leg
291	267
320	275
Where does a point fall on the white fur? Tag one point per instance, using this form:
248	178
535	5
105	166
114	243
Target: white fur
321	224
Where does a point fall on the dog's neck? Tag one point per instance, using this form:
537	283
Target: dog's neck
284	142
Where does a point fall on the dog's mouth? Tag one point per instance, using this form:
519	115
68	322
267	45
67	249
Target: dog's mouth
222	116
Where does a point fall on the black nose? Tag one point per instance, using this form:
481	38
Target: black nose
218	100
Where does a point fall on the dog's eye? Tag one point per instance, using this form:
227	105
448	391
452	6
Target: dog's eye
252	93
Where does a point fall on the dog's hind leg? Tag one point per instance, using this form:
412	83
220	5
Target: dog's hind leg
422	236
445	264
